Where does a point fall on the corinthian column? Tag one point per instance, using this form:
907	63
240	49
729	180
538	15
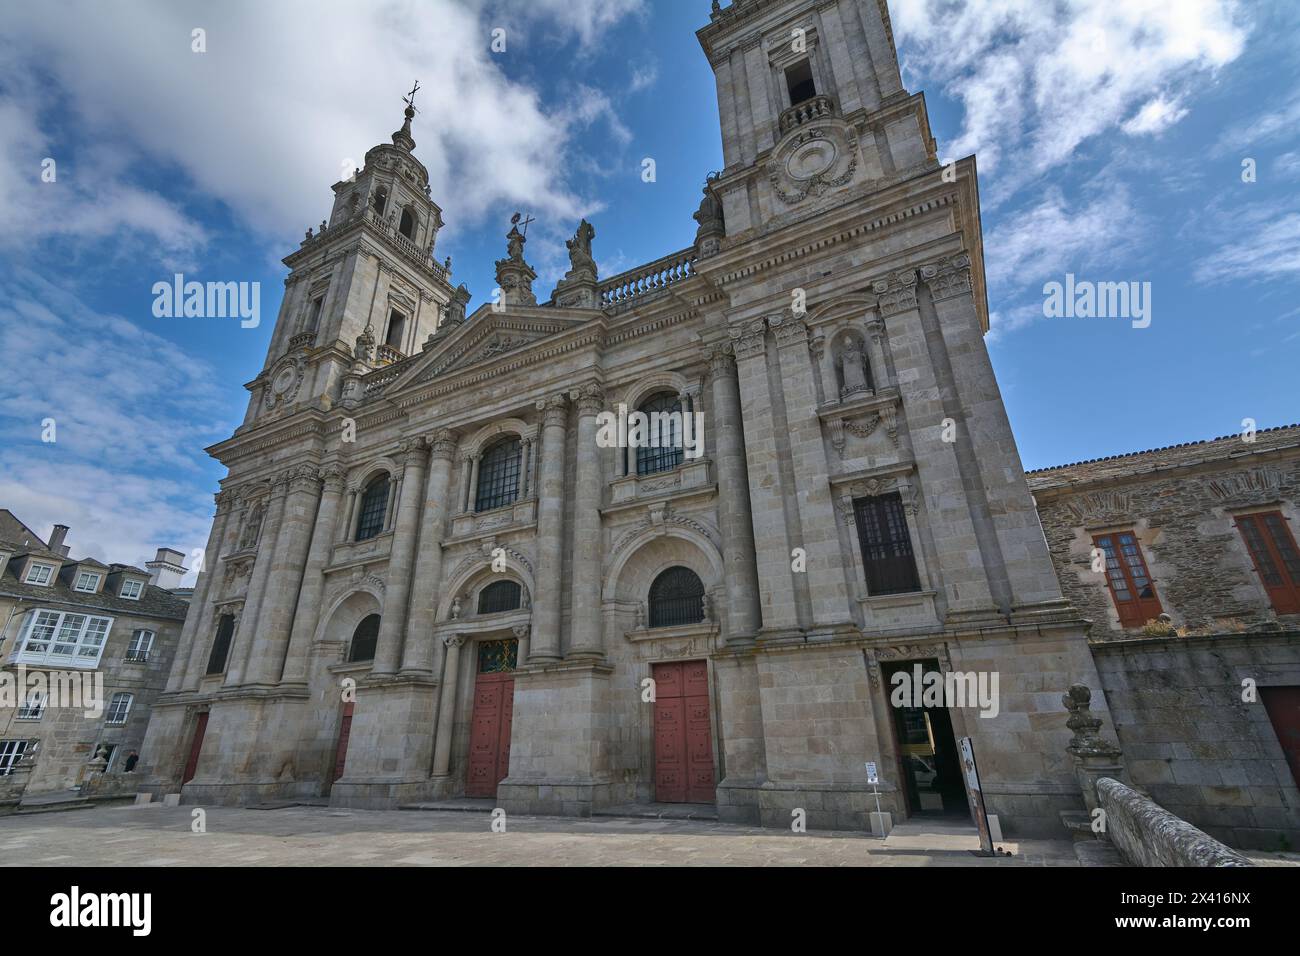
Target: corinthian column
275	620
550	531
585	599
417	654
307	614
199	600
447	704
249	621
401	559
739	568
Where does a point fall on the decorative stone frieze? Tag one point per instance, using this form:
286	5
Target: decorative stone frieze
896	293
947	278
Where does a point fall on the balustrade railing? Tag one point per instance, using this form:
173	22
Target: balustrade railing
807	111
647	279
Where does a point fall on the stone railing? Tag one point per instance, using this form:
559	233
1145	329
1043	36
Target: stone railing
302	340
387	355
1147	834
648	279
806	112
375	384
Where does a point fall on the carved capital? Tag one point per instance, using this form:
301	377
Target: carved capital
789	329
335	477
554	410
876	329
722	362
749	340
413	451
591	399
896	293
948	278
443	444
521	631
454	640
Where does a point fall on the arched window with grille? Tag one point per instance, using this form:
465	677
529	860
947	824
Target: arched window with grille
676	598
374	505
364	640
498	475
665	431
499	596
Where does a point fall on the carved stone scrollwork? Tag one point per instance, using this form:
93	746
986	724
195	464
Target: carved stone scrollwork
454	640
889	415
555	410
896	293
413	450
722	362
749	340
521	631
335	477
948	277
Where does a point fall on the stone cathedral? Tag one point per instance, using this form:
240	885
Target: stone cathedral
426	578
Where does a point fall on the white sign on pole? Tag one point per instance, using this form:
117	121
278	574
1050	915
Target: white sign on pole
872	776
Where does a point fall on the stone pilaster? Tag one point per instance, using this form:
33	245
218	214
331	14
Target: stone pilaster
586	639
550	531
828	588
767	496
738	555
417	654
307	615
275	620
246	633
388	652
199	608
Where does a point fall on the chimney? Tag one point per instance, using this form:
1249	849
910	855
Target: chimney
166	569
57	537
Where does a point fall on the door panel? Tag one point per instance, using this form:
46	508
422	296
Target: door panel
1283	706
683	735
489	741
341	750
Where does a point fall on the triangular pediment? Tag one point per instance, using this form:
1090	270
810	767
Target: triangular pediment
485	337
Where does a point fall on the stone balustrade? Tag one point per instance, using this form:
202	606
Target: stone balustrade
648	279
387	355
807	111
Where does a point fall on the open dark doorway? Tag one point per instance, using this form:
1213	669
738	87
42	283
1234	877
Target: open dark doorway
929	764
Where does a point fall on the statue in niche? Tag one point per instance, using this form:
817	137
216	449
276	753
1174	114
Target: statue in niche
853	372
252	527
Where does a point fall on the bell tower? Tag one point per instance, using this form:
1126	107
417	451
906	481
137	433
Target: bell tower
811	103
364	289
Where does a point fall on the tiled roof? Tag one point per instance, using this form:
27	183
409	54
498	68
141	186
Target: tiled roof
1134	464
17	534
154	601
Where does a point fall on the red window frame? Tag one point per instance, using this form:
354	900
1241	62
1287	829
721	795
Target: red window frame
1273	551
1129	580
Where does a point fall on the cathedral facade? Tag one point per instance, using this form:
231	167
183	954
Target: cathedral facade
429	577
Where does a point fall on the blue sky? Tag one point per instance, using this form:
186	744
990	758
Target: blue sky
1109	138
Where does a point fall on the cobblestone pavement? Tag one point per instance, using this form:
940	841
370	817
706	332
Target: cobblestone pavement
317	836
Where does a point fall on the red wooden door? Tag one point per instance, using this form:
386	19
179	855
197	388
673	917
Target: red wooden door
489	736
1283	706
196	745
1273	550
341	750
683	735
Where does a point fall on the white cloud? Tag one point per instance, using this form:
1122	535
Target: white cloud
644	76
264	120
1259	245
1038	79
1278	123
128	407
1157	116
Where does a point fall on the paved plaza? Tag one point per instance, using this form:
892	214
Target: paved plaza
319	836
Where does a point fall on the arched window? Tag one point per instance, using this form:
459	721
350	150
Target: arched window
374	504
364	639
498	475
664	412
407	227
499	596
381	200
676	598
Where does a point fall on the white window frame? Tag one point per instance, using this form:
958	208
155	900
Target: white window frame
69	639
111	717
33	568
94	576
140	647
131	582
11	751
33	708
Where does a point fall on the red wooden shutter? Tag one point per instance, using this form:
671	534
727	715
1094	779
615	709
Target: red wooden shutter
196	746
1128	578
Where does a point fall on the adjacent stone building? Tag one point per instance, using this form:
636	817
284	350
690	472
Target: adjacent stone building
1185	560
74	630
428	578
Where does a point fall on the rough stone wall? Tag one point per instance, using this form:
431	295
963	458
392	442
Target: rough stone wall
1190	740
1148	835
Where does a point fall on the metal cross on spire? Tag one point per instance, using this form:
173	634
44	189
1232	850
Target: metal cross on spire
409	98
518	219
